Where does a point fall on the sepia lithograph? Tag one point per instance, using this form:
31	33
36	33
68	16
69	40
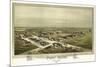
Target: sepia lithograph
51	31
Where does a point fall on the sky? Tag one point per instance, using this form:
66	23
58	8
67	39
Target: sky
26	15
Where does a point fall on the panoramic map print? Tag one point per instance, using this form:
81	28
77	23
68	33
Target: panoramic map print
50	29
